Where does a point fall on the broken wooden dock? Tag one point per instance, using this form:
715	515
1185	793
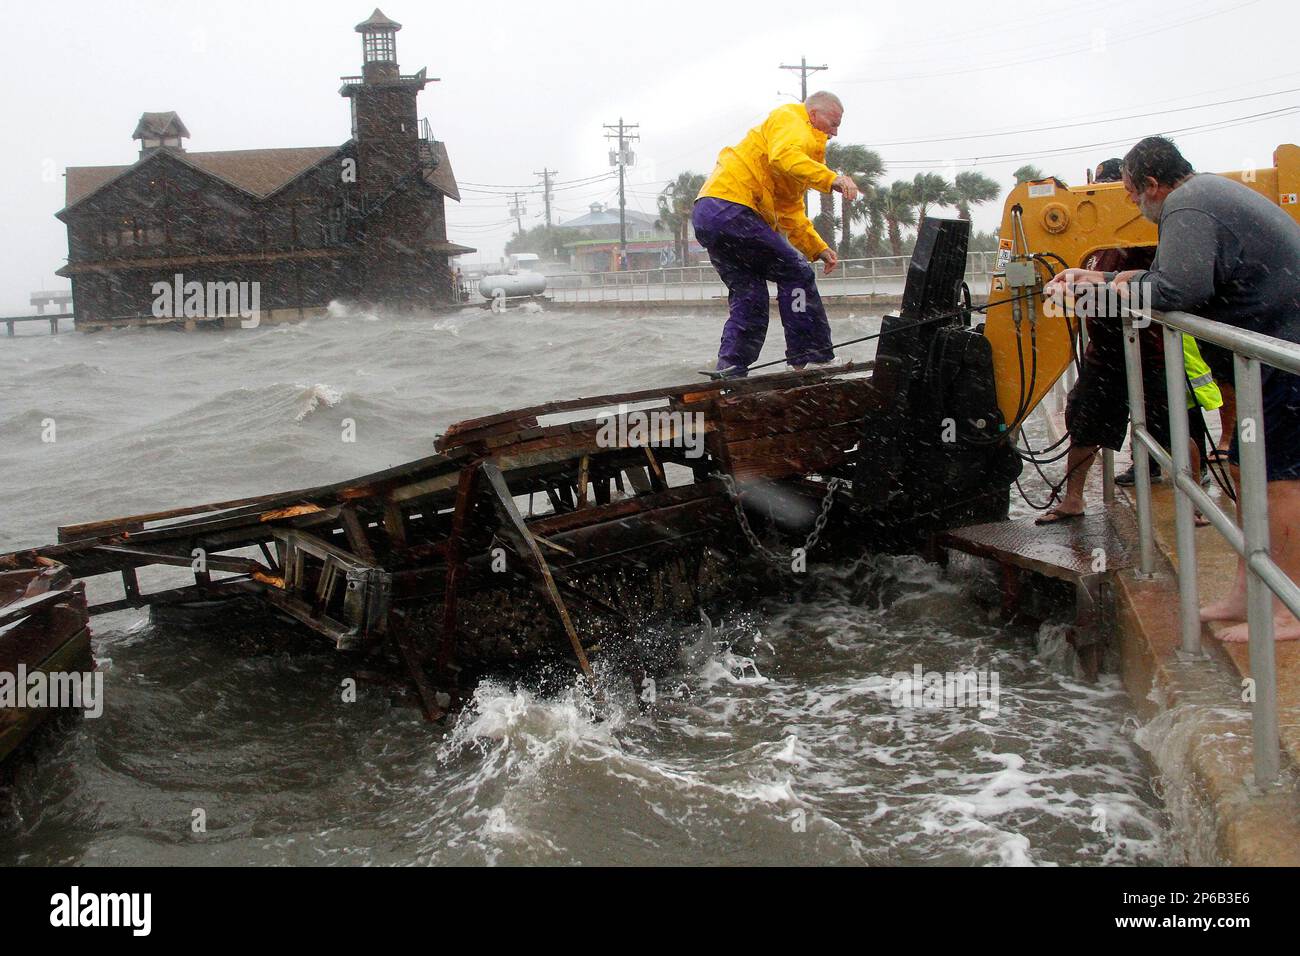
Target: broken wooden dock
530	534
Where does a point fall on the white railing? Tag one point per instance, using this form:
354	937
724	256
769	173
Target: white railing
882	275
1264	579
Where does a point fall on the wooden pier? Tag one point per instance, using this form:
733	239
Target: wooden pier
11	320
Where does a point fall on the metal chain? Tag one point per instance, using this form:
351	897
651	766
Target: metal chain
781	560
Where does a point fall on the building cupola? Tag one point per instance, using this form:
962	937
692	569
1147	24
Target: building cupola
379	47
157	131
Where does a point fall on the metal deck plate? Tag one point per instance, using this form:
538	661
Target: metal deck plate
1067	550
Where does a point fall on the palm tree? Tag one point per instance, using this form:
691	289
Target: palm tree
973	189
872	212
898	209
824	221
864	166
1027	173
675	204
931	189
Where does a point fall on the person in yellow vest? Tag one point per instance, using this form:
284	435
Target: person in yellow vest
749	216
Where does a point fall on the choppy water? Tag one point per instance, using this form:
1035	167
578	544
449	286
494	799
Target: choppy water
775	742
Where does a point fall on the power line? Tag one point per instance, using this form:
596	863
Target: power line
580	184
509	188
1096	122
1057	54
1065	150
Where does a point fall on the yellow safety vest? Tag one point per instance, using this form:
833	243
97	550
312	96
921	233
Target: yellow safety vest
1204	390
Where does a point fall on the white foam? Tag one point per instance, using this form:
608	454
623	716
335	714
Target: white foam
313	396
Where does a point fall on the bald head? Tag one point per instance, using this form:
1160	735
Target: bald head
825	111
822	98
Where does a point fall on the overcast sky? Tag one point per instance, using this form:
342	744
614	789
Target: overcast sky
530	85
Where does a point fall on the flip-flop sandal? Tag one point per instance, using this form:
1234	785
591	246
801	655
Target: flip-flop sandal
1199	520
1218	454
1056	516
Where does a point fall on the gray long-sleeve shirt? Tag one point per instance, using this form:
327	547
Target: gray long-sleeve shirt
1229	254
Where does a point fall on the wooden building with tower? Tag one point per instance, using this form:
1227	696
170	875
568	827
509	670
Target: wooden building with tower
363	222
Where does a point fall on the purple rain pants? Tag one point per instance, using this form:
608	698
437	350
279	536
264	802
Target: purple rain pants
748	253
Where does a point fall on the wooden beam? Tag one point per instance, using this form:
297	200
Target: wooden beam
358	541
395	523
657	480
455	566
428	699
584	477
514	526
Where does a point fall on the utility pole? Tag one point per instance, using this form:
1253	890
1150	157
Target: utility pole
517	210
546	175
804	69
622	159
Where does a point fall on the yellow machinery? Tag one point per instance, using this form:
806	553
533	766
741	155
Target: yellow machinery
1048	226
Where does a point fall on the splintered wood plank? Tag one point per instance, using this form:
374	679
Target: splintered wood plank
780	456
584	476
664	527
556	524
251	510
474	429
395	523
657	480
795	410
92	529
358	541
463	433
513	525
455	566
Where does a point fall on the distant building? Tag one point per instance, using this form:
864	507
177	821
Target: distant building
602	223
364	221
648	245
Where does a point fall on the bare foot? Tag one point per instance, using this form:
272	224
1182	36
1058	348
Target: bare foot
1285	628
1231	608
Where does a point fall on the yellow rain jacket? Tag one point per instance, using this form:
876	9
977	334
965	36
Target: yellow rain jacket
770	170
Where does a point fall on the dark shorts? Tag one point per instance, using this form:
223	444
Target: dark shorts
1281	393
1096	410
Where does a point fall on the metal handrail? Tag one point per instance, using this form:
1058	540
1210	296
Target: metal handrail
589	286
1264	579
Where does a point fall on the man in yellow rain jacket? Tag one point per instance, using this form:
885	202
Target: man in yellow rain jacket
750	217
